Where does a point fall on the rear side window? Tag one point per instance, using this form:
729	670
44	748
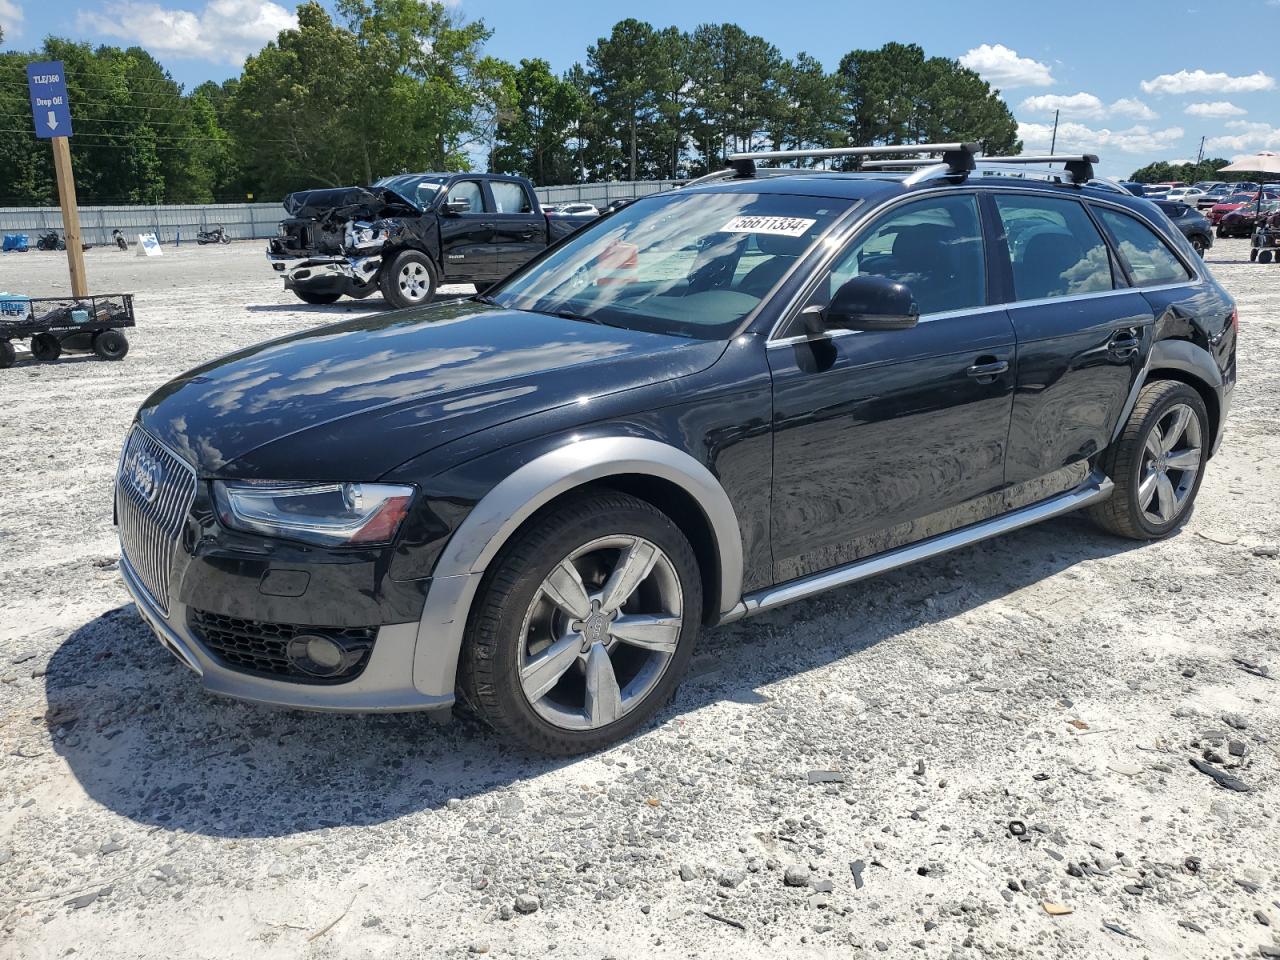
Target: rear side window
1149	259
932	246
509	197
1054	248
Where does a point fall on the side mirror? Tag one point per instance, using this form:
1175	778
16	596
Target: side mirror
866	303
458	206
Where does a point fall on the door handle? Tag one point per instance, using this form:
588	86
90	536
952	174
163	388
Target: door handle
986	370
527	236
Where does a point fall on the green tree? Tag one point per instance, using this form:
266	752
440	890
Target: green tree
808	114
894	95
737	87
622	68
535	137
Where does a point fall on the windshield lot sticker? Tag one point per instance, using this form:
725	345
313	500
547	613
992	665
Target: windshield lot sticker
778	226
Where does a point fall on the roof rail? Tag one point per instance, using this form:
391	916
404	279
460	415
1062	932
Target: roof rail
957	156
1078	166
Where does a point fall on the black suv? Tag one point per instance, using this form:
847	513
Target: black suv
704	405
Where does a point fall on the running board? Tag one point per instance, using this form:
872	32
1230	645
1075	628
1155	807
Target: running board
1096	487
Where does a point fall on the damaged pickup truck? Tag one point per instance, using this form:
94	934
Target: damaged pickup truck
406	234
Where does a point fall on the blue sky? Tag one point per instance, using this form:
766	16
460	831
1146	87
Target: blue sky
1135	81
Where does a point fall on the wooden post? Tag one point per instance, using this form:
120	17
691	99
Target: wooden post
70	216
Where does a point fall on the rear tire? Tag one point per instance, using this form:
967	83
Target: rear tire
1264	256
319	299
409	280
45	347
1253	255
110	345
557	682
1157	463
7	354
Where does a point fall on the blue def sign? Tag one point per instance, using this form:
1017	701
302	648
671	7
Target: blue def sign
49	106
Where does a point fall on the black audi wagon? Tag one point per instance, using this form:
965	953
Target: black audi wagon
703	405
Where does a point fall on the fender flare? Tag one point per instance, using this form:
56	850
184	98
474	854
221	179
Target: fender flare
498	515
1181	355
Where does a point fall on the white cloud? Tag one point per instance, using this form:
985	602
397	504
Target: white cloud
1199	81
1071	105
1003	68
1133	107
1251	138
1036	137
1087	107
1215	110
224	30
10	18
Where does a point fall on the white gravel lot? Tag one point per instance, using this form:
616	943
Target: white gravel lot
1056	677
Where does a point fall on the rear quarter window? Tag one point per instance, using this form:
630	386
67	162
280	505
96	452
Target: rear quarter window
1149	259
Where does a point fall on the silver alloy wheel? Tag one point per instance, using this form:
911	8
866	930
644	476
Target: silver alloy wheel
600	632
1170	463
414	281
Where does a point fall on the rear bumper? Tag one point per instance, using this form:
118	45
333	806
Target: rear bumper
385	685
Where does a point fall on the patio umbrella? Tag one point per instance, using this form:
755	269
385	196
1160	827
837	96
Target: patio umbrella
1264	162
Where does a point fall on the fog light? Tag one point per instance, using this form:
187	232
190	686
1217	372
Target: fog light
317	655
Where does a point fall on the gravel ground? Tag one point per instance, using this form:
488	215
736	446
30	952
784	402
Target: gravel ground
844	777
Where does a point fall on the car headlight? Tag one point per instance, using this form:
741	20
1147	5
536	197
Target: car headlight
328	514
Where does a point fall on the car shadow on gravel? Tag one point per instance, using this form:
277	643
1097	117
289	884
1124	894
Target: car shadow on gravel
145	741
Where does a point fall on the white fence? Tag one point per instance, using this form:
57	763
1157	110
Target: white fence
247	221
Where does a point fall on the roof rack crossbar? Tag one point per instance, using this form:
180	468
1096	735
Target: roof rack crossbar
958	156
1078	166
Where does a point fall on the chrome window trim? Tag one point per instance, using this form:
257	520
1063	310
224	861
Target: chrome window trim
787	313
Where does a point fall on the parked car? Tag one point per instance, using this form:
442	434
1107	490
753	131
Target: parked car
405	235
618	204
1193	224
1241	221
1206	185
1214	195
1133	187
576	208
716	401
1232	202
1187	195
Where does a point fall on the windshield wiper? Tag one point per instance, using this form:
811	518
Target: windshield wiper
485	299
570	315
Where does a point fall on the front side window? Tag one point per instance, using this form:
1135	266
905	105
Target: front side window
1149	259
691	264
509	197
932	246
1054	248
468	190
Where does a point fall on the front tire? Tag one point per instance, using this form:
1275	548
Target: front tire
318	299
1157	464
584	625
7	354
409	280
1198	244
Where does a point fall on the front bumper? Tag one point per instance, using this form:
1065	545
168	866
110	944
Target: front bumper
326	272
385	685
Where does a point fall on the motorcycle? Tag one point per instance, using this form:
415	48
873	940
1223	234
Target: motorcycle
50	241
118	239
216	235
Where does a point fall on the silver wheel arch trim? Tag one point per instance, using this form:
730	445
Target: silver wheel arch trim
498	515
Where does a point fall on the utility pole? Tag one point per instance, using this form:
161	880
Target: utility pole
1054	144
1200	156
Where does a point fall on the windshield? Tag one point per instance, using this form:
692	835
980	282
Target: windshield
1240	198
688	264
418	189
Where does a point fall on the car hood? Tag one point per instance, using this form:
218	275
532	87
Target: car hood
355	399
